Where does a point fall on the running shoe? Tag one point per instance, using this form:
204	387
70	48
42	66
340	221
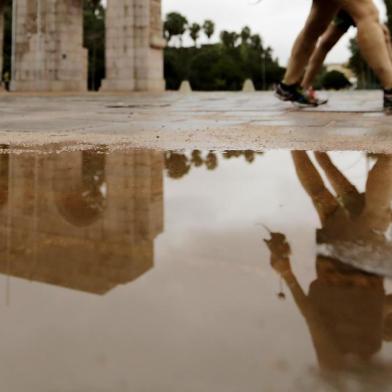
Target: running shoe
295	94
388	101
311	94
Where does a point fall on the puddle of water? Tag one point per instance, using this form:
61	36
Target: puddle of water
143	271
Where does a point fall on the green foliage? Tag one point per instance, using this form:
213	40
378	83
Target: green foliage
94	41
223	66
175	25
335	80
176	65
194	32
229	39
245	35
216	69
209	28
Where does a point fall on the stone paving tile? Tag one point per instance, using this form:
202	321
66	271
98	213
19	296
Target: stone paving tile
350	121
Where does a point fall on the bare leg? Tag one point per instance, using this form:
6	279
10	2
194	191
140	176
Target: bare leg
371	39
323	200
326	43
387	36
321	15
377	212
352	200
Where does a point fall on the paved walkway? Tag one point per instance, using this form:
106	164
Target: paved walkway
351	121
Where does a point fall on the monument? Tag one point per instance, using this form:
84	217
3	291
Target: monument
48	53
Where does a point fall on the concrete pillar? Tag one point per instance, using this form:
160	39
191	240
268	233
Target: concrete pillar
134	43
48	46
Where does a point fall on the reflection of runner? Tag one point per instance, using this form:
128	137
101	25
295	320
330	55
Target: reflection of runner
370	38
346	309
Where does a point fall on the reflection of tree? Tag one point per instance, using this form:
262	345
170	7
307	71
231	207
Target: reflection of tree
197	159
211	161
346	309
179	164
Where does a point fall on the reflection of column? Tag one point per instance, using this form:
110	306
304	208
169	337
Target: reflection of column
49	245
4	177
48	39
134	43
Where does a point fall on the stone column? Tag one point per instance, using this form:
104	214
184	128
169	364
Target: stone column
149	46
119	46
134	43
48	46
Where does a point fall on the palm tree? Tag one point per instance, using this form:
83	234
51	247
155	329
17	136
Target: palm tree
229	39
175	25
256	41
209	28
194	32
245	35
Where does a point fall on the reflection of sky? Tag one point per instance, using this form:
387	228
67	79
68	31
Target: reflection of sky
206	318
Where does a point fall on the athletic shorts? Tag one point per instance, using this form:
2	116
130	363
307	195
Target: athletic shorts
343	20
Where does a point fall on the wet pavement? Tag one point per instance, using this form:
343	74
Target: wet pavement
145	270
351	120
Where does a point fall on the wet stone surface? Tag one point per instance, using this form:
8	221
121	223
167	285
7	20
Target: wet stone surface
143	270
352	120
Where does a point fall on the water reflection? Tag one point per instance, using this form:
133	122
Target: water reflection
82	220
346	309
207	316
180	164
87	220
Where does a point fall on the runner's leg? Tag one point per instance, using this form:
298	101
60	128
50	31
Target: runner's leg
321	15
387	36
371	39
326	43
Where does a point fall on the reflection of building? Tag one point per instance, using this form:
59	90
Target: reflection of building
82	220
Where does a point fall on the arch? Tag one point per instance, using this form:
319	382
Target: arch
80	190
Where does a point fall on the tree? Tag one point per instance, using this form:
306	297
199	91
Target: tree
209	28
245	35
194	32
229	39
335	80
256	41
175	25
223	66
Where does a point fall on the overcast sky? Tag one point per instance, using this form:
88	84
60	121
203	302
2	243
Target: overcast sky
278	21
